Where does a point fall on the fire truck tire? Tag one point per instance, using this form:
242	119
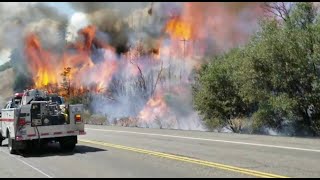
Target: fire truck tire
1	138
11	145
68	143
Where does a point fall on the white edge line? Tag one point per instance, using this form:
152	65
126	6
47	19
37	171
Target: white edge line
213	140
28	164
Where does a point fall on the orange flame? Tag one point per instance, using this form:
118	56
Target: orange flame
46	68
40	62
179	29
155	107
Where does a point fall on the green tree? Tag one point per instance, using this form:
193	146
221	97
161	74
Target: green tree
283	71
217	94
274	79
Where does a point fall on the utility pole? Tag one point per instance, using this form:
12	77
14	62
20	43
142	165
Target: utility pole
184	56
184	46
170	66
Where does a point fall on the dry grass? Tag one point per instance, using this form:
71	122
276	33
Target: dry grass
94	119
127	122
86	116
236	124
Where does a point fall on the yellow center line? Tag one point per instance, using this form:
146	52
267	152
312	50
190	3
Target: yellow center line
186	159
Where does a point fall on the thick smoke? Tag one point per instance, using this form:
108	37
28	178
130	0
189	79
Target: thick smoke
19	19
146	20
111	23
16	17
124	7
110	18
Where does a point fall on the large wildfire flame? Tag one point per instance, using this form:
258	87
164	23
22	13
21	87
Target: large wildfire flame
46	67
40	62
189	34
155	108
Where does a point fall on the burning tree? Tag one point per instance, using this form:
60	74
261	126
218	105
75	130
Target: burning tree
66	84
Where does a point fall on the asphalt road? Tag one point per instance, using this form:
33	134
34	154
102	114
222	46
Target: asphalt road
135	152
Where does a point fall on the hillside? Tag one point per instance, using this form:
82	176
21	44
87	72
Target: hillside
6	82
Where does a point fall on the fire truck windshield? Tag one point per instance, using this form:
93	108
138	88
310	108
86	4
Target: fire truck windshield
57	100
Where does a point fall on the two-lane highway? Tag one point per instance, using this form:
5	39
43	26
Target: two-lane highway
108	151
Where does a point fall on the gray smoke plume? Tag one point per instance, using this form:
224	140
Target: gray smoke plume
19	19
126	23
112	23
113	19
124	7
16	17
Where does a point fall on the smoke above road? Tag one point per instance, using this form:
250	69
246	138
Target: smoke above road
134	61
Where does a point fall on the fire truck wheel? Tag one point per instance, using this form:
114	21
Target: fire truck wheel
67	144
11	144
1	139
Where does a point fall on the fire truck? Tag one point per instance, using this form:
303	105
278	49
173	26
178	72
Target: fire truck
34	118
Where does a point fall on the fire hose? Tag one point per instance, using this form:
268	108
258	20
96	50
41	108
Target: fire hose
39	140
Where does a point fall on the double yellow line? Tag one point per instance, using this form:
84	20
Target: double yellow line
186	159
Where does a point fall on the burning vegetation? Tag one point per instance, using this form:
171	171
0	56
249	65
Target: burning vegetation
110	65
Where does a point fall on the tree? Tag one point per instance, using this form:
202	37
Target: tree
217	95
66	83
274	78
278	9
